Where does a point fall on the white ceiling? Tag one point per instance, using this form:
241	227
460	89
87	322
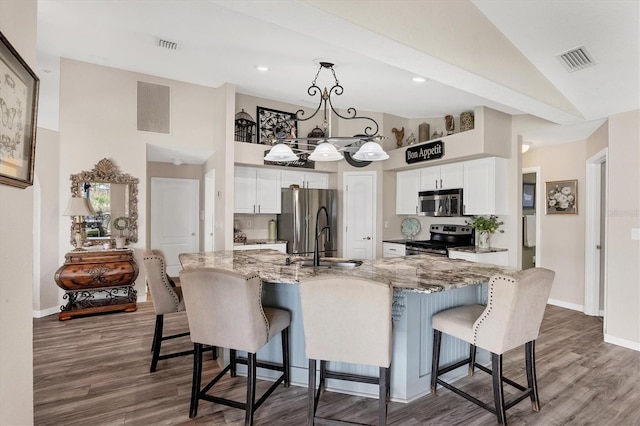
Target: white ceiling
499	53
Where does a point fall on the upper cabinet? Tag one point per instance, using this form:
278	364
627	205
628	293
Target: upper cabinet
485	186
448	176
304	179
256	191
407	187
483	181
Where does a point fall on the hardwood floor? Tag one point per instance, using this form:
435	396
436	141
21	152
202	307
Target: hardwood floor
95	371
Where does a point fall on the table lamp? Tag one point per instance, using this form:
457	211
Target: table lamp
79	207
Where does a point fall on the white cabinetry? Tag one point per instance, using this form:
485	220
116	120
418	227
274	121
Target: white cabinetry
448	176
304	179
407	187
495	258
485	186
281	247
393	250
256	191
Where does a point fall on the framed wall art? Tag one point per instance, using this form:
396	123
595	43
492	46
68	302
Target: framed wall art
19	106
274	124
562	197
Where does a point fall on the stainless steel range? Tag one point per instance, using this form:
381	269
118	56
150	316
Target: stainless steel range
442	237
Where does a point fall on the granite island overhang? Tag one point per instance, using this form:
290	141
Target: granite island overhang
423	285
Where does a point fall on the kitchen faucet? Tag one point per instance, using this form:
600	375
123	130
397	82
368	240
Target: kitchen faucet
316	254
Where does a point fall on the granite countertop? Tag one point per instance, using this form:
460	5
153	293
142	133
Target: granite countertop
265	241
422	273
474	249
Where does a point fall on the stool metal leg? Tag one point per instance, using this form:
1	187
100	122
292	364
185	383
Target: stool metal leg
251	389
157	342
532	381
472	359
311	393
232	363
286	361
197	377
498	390
383	396
435	359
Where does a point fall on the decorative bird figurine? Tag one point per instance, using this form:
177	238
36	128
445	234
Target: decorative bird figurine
399	136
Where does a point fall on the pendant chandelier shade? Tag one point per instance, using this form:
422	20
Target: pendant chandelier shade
370	151
329	147
325	152
281	153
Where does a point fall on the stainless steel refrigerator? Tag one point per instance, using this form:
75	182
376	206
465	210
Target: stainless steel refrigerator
297	220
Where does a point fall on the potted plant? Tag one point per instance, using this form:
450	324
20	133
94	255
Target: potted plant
121	223
484	226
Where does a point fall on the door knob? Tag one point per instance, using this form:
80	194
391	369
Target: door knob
366	238
193	234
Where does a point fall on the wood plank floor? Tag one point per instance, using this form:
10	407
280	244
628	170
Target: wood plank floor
95	371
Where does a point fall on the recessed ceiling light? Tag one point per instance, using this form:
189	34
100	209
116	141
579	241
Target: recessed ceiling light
262	68
419	79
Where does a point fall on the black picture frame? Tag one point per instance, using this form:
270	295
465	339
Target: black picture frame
19	88
274	124
528	195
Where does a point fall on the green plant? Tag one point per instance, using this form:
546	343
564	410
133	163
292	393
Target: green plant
483	223
121	223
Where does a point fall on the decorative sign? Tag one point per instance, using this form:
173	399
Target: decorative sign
426	152
303	162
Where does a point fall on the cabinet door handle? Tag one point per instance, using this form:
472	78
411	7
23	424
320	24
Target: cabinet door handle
258	208
254	208
436	183
440	183
416	209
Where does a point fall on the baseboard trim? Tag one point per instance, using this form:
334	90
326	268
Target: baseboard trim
562	304
629	344
46	312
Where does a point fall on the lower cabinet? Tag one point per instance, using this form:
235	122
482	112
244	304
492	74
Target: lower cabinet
281	247
393	250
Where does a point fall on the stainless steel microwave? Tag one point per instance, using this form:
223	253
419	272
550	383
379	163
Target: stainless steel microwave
444	202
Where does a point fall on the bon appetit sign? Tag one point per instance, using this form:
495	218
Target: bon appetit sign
426	152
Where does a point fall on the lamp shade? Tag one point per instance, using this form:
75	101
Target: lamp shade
79	206
325	152
370	151
281	152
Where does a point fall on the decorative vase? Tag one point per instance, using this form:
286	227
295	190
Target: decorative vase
120	241
483	239
466	121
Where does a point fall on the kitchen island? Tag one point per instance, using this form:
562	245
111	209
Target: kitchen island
423	285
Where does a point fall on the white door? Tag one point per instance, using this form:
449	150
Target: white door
209	209
360	215
174	218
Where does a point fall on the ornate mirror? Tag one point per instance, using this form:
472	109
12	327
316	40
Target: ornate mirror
114	197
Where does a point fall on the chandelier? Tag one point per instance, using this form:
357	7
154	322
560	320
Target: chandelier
363	147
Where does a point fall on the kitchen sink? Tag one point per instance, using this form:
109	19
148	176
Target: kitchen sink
327	262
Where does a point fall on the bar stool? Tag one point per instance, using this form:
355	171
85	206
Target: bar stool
511	319
347	319
167	299
225	310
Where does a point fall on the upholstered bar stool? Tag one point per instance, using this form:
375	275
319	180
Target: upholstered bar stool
347	319
166	299
511	319
225	310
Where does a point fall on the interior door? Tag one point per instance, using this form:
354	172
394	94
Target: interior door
360	215
209	209
175	205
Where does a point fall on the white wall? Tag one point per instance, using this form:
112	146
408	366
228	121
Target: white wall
622	324
18	24
562	236
98	119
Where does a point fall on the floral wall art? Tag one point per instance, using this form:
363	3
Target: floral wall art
562	197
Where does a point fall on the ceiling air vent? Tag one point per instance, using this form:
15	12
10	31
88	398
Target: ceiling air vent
166	44
576	59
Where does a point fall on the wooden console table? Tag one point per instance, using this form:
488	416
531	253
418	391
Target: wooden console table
97	282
